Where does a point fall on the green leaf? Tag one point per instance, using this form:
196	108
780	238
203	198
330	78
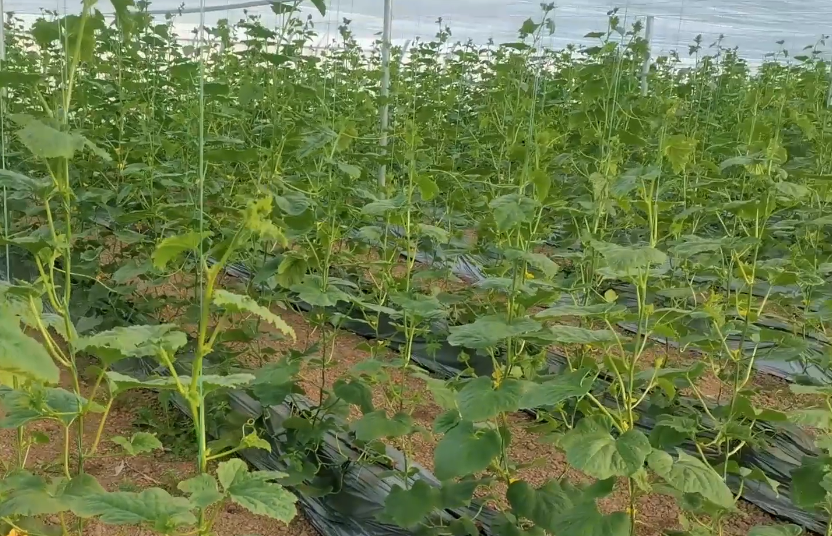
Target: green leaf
376	425
202	489
812	417
590	448
18	182
32	503
351	170
542	263
215	382
408	507
511	210
354	392
280	8
776	530
679	149
255	493
459	494
598	309
310	291
542	506
689	475
237	303
155	506
792	191
383	206
586	520
132	341
82	485
427	187
139	443
121	382
45	141
575	335
130	270
561	508
464	451
488	331
479	401
542	184
806	486
418	306
552	392
628	259
21	355
18	79
173	246
256	219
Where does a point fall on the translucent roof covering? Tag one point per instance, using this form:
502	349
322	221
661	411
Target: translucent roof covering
753	26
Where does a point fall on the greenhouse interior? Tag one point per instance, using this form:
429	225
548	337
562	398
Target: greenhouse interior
375	267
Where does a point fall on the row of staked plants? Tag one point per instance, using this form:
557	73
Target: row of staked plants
692	214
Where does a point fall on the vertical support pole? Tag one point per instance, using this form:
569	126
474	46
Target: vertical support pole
3	138
645	67
829	93
384	109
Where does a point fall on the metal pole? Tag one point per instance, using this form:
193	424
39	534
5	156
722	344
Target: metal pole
3	137
645	67
384	109
829	93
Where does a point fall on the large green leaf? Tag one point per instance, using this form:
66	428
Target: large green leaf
690	475
173	246
138	443
592	449
576	335
488	331
563	509
356	392
45	141
480	401
511	210
628	260
133	341
376	425
121	382
320	5
598	309
586	520
17	181
552	392
256	218
543	506
202	490
408	507
154	506
255	492
21	355
776	530
806	485
679	149
465	451
238	303
311	291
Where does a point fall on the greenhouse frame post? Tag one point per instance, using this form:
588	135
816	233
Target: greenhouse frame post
828	93
384	109
645	67
3	135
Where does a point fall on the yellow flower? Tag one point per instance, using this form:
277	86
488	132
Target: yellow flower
529	275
